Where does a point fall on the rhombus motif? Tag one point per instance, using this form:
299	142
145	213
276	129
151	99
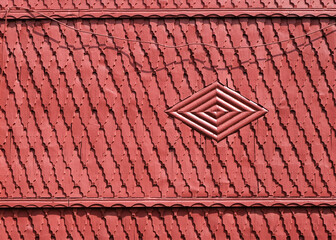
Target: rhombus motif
216	111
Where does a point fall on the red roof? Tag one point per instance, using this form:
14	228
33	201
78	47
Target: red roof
81	113
175	4
84	123
171	223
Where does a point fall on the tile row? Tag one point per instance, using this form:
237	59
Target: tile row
149	4
169	223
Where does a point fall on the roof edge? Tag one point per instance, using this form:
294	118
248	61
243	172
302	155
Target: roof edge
166	202
167	13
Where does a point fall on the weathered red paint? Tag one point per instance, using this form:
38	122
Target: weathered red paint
83	125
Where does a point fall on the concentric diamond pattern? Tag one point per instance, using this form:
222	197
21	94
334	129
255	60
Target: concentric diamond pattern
216	111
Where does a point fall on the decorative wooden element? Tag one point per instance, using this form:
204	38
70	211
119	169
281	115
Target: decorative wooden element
217	111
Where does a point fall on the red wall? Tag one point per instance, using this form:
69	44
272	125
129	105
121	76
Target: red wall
83	124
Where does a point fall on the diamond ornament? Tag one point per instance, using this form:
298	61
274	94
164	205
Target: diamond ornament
216	111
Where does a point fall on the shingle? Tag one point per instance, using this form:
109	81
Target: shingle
84	117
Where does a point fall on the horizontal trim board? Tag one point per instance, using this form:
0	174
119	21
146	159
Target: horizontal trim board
169	13
167	202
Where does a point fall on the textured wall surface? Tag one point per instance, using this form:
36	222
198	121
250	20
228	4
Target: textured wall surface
170	223
84	116
83	122
155	4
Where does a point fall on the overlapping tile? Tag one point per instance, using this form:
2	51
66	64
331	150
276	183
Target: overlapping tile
123	4
83	116
188	223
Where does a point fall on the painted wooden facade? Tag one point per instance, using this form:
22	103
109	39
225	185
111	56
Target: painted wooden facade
115	119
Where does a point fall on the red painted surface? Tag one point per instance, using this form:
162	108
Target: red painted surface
83	123
216	111
174	4
80	113
169	223
20	13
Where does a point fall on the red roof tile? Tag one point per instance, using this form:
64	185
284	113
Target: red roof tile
84	125
173	223
161	4
83	116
